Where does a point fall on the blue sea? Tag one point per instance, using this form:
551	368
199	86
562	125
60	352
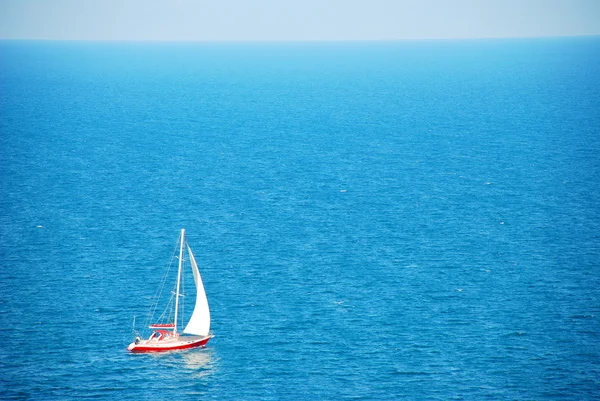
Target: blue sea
412	220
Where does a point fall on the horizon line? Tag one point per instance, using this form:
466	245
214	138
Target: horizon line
417	39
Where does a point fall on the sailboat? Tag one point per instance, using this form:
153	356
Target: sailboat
165	335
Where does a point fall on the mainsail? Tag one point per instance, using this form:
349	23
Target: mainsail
199	323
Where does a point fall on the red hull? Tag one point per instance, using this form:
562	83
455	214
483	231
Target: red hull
141	349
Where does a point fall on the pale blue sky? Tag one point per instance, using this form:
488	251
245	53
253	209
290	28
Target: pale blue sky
295	19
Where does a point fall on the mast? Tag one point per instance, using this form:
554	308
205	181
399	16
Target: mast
178	280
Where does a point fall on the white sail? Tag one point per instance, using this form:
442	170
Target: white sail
199	323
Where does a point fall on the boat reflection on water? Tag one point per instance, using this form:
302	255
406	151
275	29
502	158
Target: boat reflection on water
201	361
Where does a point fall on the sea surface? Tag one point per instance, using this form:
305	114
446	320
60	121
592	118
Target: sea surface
372	221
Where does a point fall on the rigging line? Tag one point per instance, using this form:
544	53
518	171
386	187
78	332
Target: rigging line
169	309
158	294
157	297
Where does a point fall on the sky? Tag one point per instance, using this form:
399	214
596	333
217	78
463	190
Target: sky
295	20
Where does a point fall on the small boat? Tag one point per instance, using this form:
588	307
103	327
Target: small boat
165	335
